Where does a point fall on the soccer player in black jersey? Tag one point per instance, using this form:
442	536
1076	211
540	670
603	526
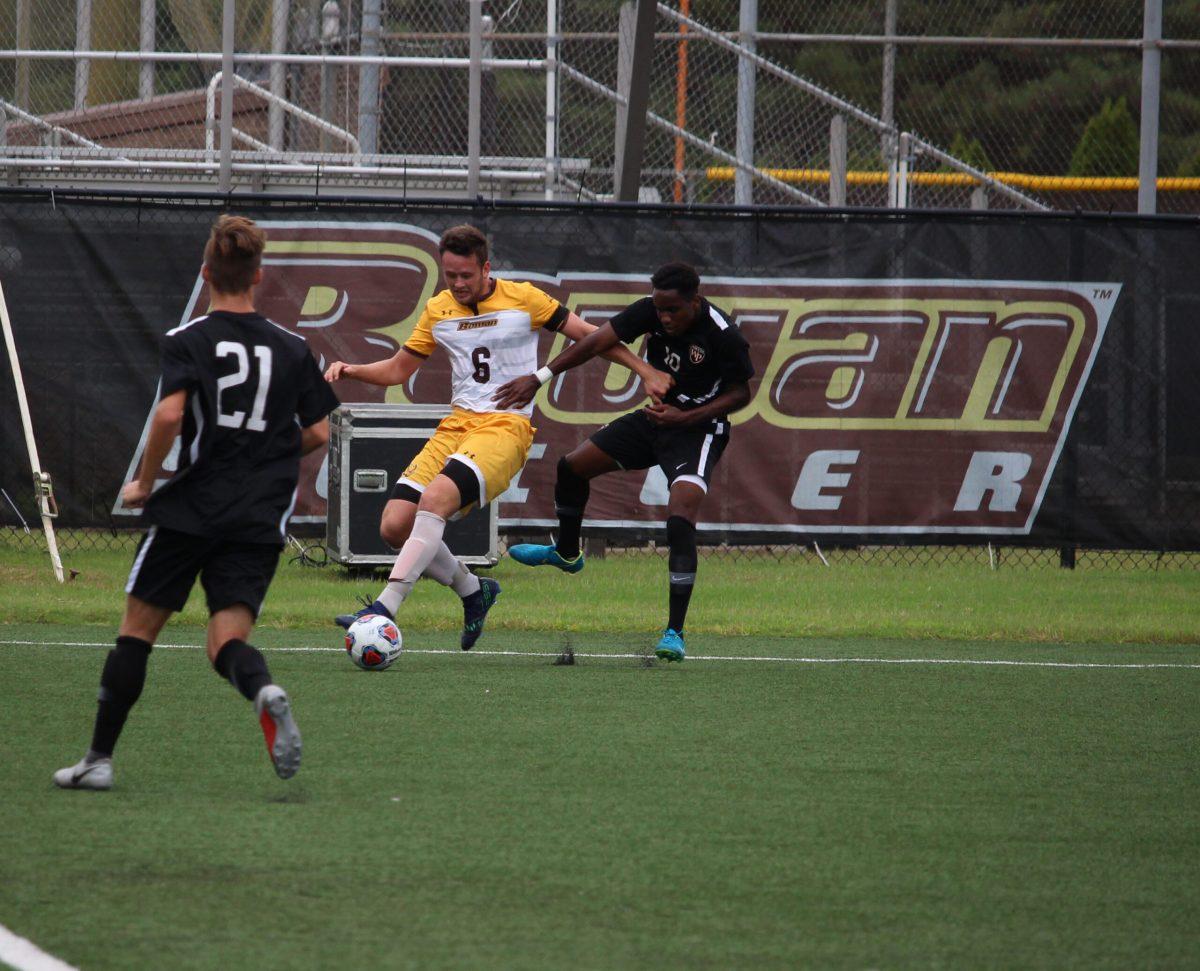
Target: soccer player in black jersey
247	400
684	434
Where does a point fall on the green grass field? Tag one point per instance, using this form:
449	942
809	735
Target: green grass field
753	807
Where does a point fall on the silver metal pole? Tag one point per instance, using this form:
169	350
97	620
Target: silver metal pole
837	161
887	100
474	98
1151	81
83	42
147	42
225	179
551	98
633	142
280	14
743	184
24	42
626	21
368	79
331	29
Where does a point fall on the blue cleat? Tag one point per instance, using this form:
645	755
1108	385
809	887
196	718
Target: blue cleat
533	554
670	648
475	608
375	607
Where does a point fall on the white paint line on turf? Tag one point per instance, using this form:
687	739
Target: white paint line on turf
24	955
977	662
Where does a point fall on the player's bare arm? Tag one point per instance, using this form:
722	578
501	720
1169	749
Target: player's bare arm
394	370
656	382
520	391
164	428
315	436
734	397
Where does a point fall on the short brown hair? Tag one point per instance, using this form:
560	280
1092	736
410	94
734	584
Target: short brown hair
464	241
233	254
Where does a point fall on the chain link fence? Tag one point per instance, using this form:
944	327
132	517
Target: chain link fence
307	546
1043	97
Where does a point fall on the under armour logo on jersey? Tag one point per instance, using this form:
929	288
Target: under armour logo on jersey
695	353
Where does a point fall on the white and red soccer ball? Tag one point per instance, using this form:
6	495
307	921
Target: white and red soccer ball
373	642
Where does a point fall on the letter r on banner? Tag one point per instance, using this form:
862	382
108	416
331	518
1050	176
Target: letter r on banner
998	472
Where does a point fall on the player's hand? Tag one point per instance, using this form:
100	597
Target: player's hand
517	393
658	384
336	371
134	494
667	416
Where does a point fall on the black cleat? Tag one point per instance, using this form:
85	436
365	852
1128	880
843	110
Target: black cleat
375	607
475	608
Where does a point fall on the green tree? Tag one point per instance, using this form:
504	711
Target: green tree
1109	144
969	150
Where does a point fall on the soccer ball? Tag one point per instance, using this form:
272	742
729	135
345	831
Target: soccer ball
373	642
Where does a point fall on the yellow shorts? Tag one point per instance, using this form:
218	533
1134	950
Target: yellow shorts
494	446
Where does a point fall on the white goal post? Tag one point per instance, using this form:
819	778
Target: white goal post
42	488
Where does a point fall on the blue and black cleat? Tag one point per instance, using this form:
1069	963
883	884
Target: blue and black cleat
375	607
534	554
475	608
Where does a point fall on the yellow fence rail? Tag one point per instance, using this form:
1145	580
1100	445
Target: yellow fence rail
1018	180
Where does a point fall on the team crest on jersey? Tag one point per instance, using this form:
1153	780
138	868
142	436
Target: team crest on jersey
695	353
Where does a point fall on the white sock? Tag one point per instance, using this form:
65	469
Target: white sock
446	570
415	556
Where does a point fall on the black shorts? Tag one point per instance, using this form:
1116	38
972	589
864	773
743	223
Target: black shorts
231	572
688	454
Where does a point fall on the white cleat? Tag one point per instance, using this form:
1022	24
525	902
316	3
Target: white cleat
86	775
279	729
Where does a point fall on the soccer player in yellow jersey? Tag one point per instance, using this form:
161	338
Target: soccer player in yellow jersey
488	327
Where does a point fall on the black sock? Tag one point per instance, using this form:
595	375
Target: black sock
243	667
571	493
681	537
121	685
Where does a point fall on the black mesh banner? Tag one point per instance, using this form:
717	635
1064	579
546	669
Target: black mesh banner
920	377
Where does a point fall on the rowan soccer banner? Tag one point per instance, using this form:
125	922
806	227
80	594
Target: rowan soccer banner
912	379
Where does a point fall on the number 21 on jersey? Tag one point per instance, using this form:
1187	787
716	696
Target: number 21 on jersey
236	419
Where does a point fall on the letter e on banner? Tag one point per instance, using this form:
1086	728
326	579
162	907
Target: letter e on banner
816	476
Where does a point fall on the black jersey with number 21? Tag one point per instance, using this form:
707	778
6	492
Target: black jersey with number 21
251	386
705	360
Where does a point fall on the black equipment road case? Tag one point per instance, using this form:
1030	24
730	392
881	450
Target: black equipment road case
369	446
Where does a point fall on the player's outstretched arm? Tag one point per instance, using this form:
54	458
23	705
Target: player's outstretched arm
164	428
395	370
520	391
657	383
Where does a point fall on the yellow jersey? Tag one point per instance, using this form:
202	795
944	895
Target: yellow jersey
490	343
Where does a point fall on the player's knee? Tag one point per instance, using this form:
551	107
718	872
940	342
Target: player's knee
681	532
570	489
567	472
393	532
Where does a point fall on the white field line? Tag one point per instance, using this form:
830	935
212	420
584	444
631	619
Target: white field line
977	662
16	952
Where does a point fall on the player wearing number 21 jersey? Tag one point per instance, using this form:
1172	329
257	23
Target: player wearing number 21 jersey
489	328
246	400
